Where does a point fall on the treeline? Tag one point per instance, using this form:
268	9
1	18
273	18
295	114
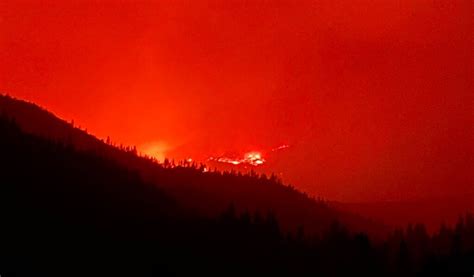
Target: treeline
75	213
202	193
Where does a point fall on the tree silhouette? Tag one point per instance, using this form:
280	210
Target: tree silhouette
68	211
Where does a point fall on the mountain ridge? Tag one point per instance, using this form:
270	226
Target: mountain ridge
206	194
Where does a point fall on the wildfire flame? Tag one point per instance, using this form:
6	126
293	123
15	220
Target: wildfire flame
281	147
253	158
250	158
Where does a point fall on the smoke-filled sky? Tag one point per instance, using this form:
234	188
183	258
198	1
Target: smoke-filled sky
375	98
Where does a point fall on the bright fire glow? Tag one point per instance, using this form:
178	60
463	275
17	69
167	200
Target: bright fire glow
156	149
281	147
250	158
253	158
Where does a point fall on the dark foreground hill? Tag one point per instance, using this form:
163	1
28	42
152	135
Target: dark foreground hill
431	212
66	212
207	194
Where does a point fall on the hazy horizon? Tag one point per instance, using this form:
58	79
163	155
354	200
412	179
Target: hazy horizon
375	105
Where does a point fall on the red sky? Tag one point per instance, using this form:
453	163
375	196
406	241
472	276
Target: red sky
374	97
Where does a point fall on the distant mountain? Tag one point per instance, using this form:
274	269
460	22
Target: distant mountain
202	193
431	212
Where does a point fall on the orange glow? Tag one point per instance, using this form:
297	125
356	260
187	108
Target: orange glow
155	149
254	158
250	158
376	105
281	147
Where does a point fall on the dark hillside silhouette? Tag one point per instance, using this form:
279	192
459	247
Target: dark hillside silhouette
66	212
207	194
432	212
